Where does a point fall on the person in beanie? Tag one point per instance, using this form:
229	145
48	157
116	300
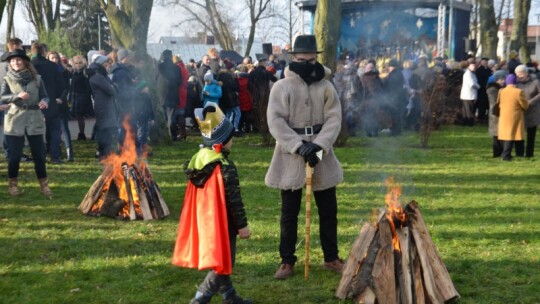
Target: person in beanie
213	212
23	89
304	116
494	84
212	90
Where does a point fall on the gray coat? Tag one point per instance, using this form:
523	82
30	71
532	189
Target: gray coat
531	88
294	104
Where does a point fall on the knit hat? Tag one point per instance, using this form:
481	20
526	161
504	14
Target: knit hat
214	125
208	76
510	79
500	74
121	54
100	59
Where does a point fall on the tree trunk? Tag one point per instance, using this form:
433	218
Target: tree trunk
129	23
326	28
518	40
10	13
2	7
488	29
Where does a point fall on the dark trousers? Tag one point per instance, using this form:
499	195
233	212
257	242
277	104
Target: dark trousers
497	147
53	134
520	145
213	282
507	149
16	145
106	138
290	207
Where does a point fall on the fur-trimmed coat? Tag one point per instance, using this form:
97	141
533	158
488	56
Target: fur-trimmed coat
294	104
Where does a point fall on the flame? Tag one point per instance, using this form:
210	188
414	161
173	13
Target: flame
123	180
395	214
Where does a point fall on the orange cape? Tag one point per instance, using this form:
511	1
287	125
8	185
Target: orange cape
203	235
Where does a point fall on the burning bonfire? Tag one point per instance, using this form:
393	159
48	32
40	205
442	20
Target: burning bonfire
395	259
126	189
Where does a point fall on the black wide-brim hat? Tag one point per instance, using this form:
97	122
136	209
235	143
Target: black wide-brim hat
16	53
305	44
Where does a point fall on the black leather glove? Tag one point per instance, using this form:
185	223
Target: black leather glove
308	148
312	159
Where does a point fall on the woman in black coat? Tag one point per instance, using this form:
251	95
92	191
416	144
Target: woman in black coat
105	110
80	94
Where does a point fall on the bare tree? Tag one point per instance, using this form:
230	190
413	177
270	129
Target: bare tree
518	40
2	7
43	14
208	13
257	9
488	29
283	24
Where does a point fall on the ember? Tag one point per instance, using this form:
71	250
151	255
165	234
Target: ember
395	260
126	188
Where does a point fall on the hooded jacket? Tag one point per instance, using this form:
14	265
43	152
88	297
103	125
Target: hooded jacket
294	104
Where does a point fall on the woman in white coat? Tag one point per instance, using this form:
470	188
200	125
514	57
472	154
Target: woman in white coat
469	93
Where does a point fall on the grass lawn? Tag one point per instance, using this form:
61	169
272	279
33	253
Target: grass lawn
482	213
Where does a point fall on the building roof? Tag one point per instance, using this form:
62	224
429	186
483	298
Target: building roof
191	48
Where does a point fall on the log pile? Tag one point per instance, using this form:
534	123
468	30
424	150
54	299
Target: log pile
125	189
129	195
396	261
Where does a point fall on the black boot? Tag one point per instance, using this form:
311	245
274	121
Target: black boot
230	297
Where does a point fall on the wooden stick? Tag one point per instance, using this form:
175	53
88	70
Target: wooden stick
309	174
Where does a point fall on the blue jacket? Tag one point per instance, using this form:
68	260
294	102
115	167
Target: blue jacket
211	92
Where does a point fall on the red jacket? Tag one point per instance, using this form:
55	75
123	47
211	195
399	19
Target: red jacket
182	88
246	102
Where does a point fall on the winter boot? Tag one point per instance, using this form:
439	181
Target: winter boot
69	153
13	190
230	297
44	184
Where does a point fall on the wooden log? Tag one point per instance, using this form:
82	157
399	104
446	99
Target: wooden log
95	191
112	204
356	256
154	192
439	286
384	280
418	286
405	278
143	200
367	297
364	278
131	201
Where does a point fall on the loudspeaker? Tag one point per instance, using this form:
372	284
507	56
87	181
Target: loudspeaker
267	48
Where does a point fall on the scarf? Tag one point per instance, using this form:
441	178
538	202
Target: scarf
23	77
310	73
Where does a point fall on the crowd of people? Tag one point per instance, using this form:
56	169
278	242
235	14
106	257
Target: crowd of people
387	96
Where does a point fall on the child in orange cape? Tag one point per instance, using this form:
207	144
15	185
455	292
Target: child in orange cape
213	212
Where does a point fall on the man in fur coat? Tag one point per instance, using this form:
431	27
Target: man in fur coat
304	116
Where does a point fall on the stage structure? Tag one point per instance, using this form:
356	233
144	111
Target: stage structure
404	29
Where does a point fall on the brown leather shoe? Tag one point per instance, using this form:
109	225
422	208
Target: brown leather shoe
336	265
284	272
